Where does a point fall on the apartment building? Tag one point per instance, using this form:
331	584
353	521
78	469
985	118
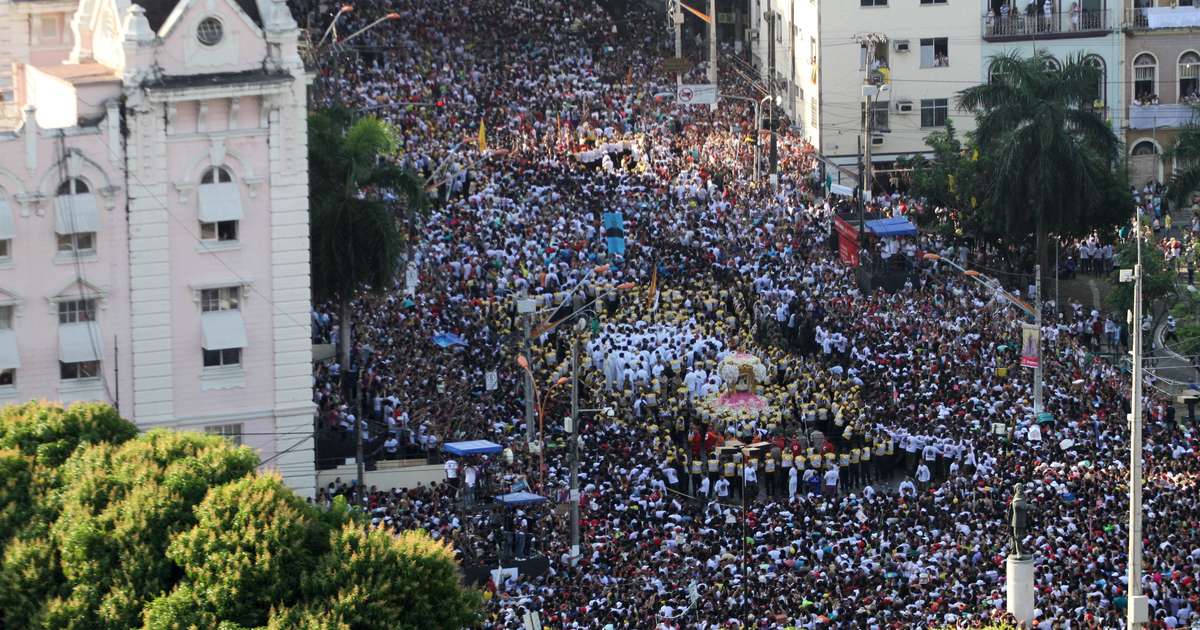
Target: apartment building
1161	81
931	50
154	216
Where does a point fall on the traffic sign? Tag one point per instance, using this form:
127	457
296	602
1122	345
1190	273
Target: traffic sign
677	65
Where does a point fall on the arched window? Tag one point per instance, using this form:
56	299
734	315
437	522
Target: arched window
73	186
216	175
220	209
1145	147
76	218
1189	76
1098	96
1145	69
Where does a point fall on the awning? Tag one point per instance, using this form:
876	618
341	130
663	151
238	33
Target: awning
896	226
79	342
7	230
76	214
471	447
10	357
223	330
220	202
520	498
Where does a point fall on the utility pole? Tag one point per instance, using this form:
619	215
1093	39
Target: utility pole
678	18
1137	612
712	42
1037	321
525	325
774	155
358	435
868	41
574	446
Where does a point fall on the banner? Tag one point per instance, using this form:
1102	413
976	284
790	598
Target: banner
614	232
697	94
1030	338
847	241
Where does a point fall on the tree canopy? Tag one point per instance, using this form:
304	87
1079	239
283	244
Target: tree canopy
1186	151
1050	158
101	527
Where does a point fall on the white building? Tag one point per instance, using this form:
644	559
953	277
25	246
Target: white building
154	216
932	50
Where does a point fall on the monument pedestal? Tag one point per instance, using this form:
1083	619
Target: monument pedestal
1020	589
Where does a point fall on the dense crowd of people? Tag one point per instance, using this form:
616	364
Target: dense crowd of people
869	492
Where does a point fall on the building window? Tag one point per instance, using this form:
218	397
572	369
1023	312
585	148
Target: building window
78	370
79	243
8	377
933	1
1144	69
231	432
218	358
873	3
220	231
879	121
1099	98
935	52
73	186
75	311
1189	77
5	249
209	31
6	317
220	299
934	112
1145	147
216	175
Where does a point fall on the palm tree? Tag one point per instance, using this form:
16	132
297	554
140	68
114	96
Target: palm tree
354	197
1187	155
1052	155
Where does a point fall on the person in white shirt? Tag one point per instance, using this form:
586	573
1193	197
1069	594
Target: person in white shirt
831	482
907	488
722	488
923	476
472	478
451	467
793	482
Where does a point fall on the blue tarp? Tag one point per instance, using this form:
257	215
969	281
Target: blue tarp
520	498
471	447
896	226
445	340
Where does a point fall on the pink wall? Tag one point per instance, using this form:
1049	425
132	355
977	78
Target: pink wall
34	276
191	265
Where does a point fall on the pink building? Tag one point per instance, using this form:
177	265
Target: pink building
154	216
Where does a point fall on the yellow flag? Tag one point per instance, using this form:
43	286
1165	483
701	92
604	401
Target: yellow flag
482	137
951	183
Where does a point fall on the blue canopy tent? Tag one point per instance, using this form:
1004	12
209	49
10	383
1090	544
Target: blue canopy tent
520	498
471	447
896	226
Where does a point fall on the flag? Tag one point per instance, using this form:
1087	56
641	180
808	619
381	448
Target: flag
482	137
652	290
895	394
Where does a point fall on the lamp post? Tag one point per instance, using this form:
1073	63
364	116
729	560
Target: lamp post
1137	608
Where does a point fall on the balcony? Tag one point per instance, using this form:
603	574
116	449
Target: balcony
1167	116
1013	28
1154	18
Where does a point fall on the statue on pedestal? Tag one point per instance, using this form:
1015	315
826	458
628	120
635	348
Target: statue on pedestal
1018	518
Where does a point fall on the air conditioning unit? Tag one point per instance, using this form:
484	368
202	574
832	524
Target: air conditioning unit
876	141
904	107
901	45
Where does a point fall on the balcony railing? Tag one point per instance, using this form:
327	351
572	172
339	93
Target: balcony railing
1040	25
1149	18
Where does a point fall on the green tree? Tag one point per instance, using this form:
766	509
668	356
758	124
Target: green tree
177	530
1051	156
1158	279
950	177
355	196
1186	152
